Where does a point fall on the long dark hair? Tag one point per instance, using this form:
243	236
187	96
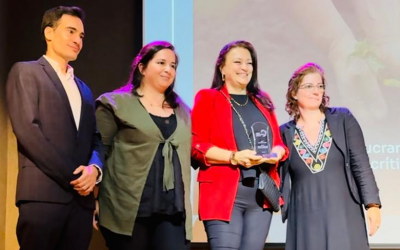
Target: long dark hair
292	106
145	55
253	88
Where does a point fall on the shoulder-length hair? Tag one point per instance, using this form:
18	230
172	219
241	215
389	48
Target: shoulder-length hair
144	57
253	87
292	106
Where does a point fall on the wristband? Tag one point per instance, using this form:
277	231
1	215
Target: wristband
232	159
372	205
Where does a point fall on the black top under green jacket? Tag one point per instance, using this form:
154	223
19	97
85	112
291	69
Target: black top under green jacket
130	139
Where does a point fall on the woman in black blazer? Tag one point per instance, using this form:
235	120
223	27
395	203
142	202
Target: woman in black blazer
327	177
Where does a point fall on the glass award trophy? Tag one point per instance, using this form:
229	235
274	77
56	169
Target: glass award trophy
262	140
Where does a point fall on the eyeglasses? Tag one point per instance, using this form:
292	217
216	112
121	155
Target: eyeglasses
311	87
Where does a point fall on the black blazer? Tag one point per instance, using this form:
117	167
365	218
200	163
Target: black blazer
348	137
50	147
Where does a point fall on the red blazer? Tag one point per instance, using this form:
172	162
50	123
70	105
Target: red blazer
212	126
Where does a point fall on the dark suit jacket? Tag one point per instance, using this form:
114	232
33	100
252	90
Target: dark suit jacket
348	137
50	147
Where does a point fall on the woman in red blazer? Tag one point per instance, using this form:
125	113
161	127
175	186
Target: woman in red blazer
235	213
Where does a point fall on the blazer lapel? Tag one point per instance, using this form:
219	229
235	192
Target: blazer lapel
262	109
57	83
224	117
288	135
83	103
336	127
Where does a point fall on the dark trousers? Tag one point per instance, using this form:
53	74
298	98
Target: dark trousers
249	224
158	232
52	226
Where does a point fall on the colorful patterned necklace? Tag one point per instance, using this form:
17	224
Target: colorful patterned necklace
314	156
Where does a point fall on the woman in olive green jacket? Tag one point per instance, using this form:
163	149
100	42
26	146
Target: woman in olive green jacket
144	198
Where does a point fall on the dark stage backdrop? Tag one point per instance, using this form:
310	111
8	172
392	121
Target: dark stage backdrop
113	37
3	127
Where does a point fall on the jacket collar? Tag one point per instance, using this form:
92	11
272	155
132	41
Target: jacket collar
224	117
336	126
60	88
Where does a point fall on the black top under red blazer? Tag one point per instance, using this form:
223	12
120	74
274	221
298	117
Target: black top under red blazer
212	125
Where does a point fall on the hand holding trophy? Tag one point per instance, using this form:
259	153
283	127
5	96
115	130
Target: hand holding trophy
263	144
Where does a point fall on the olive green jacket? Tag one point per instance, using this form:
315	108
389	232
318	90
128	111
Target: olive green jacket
130	139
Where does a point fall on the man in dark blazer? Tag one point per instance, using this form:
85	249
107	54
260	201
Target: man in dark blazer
59	148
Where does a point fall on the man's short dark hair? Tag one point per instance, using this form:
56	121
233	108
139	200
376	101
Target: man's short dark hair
52	16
